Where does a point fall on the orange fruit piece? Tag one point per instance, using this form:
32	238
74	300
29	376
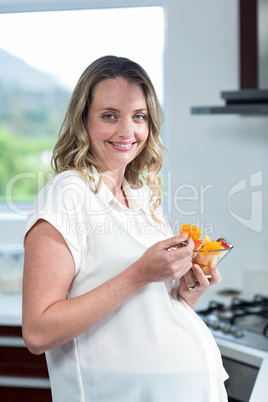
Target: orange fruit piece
213	245
206	240
193	231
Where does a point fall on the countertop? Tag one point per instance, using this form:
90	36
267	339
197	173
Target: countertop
251	356
10	309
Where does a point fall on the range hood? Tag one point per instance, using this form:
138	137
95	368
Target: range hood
243	102
249	99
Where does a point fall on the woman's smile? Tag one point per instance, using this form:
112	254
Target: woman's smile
122	146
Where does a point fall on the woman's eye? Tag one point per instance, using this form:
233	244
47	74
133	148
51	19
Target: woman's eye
109	116
139	117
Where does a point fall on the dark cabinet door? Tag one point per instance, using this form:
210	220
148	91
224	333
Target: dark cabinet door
22	374
16	394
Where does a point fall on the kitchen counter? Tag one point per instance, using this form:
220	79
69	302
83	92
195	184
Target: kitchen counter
238	352
10	309
253	357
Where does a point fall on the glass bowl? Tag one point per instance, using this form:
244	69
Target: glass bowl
207	257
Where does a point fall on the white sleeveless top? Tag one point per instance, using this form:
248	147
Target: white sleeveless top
153	348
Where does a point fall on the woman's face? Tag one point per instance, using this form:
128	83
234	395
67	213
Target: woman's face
117	123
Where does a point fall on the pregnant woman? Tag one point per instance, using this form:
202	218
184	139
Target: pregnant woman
103	294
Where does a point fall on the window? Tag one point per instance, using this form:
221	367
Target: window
42	55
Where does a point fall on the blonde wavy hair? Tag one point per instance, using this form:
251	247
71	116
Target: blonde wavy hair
72	149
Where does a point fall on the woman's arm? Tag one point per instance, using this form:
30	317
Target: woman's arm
49	319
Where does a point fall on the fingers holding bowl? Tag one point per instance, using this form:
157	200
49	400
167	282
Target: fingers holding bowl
215	275
204	279
200	276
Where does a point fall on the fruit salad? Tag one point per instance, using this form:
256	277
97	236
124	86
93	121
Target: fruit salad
206	251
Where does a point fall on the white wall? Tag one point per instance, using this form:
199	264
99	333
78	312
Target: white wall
215	151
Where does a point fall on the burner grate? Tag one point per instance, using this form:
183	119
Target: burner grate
253	321
243	321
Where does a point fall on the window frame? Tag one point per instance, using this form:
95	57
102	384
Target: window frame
16	6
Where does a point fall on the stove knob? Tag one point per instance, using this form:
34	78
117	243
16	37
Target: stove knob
226	328
237	332
214	325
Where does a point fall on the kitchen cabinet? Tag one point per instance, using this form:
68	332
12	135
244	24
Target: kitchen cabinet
23	376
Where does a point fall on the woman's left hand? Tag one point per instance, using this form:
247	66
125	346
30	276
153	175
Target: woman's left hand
191	288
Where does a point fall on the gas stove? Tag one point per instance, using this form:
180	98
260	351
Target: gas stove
242	321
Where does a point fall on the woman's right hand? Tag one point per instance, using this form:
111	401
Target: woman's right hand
159	264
